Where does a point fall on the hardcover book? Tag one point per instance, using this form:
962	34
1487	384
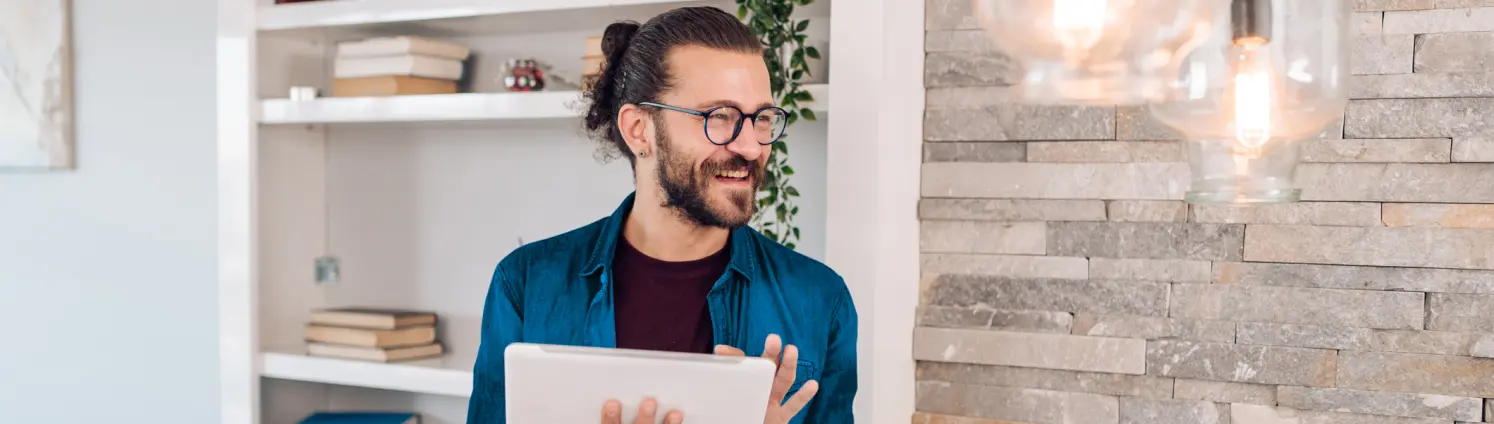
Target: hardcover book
372	318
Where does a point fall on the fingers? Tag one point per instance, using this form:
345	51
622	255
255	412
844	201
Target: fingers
646	412
612	412
729	351
772	347
674	417
787	371
801	398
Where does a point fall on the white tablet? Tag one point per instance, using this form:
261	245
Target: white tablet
568	384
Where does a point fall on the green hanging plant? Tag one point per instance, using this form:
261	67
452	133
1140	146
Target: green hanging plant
781	37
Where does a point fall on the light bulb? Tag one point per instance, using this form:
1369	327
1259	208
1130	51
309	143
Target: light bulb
1078	24
1252	95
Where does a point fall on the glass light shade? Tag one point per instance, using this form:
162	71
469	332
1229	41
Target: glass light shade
1096	52
1246	99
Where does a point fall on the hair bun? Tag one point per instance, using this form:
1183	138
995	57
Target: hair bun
617	36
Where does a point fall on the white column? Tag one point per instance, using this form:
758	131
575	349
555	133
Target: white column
238	340
875	137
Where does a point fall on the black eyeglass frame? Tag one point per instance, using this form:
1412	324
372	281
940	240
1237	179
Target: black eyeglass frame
736	130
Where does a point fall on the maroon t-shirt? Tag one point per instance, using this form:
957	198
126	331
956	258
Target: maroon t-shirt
662	305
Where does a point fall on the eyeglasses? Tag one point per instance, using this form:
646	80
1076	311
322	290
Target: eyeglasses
724	123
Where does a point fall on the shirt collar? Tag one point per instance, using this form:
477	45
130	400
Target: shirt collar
743	258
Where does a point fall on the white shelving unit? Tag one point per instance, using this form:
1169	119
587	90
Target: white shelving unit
446	107
416	206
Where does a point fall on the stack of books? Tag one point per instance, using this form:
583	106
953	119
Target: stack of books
387	66
373	334
592	62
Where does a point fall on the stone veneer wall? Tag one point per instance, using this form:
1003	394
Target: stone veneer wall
1066	282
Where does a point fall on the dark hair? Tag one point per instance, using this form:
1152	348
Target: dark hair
636	70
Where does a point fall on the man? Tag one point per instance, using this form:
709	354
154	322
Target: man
686	98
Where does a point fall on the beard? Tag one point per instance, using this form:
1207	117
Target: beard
686	189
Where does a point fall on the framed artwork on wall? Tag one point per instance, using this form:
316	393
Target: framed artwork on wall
36	103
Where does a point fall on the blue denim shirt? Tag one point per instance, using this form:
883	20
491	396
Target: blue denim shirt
559	291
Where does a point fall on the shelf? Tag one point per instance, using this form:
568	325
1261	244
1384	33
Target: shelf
330	13
447	107
350	18
449	376
423	108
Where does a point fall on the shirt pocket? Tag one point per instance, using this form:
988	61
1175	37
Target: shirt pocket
805	372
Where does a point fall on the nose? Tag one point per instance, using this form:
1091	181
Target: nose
746	145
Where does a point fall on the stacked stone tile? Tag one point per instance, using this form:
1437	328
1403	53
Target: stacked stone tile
1066	282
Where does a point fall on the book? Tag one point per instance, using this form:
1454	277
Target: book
372	318
390	85
592	65
401	65
408	336
393	354
402	45
594	46
362	418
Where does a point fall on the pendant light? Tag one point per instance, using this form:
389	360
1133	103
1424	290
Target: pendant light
1245	100
1096	52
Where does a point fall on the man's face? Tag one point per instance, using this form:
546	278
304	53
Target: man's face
712	185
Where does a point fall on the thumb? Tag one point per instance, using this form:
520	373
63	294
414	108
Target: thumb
729	351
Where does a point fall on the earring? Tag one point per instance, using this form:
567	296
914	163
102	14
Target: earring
643	153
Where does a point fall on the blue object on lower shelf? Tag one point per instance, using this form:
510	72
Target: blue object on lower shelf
362	418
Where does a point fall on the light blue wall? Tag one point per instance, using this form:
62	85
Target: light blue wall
108	307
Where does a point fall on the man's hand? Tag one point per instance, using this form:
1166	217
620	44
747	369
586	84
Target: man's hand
780	412
612	413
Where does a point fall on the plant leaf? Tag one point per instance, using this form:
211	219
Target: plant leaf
770	234
812	52
796	229
742	12
804	96
788	170
808	114
803	25
793	192
798	74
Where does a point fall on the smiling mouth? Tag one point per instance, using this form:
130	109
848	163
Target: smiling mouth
732	175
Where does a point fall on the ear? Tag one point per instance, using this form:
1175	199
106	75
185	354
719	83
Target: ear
634	124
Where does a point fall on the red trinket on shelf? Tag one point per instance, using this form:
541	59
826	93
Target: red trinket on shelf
524	75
